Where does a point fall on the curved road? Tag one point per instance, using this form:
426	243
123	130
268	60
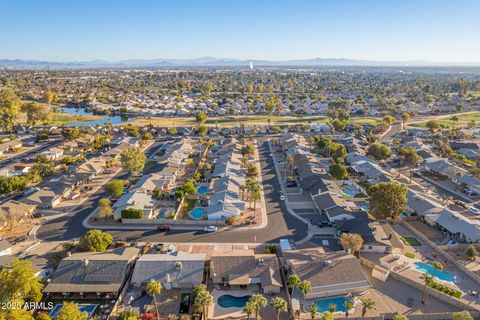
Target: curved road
280	223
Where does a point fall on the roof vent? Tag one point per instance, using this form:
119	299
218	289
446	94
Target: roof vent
85	262
328	263
261	261
178	265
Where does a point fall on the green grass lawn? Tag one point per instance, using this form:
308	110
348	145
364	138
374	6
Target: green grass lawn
411	241
59	119
230	121
463	119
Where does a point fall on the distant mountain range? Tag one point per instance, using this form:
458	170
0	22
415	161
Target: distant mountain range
219	62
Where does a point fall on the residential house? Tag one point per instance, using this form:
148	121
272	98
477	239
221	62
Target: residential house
138	199
92	275
456	225
5	247
179	270
330	273
244	268
12	212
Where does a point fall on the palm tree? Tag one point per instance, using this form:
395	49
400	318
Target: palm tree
279	304
249	308
203	300
153	289
428	279
293	282
258	302
290	162
352	241
305	288
367	304
313	310
348	307
332	307
405	118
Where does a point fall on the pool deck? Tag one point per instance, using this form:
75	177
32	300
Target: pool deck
217	312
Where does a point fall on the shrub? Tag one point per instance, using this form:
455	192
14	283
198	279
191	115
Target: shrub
410	255
114	188
132	213
232	220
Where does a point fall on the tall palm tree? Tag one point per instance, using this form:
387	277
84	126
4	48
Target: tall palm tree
293	282
258	302
153	289
249	308
348	307
428	279
290	162
305	288
352	241
203	300
367	304
279	304
313	310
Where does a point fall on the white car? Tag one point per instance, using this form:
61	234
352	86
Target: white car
210	229
474	210
282	197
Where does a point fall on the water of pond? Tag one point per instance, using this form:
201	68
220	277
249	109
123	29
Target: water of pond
102	121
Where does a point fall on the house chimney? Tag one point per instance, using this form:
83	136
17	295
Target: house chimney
85	262
261	261
69	253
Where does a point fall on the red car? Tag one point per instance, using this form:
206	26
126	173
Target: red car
164	227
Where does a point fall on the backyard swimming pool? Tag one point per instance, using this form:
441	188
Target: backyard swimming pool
197	213
228	301
323	304
364	206
442	275
202	190
350	192
161	214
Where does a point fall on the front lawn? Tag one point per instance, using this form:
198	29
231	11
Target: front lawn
411	241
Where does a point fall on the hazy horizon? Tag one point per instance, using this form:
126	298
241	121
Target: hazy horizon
435	31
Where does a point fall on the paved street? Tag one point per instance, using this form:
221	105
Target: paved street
280	223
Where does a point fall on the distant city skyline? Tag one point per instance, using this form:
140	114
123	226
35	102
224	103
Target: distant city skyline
411	30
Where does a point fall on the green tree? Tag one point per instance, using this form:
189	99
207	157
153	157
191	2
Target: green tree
70	311
203	300
433	125
114	188
348	306
399	317
471	252
15	313
20	282
202	130
200	117
327	315
44	166
48	97
153	289
332	307
367	305
147	136
9	108
249	309
387	199
129	314
313	310
71	133
35	112
95	241
133	159
132	213
104	208
352	241
405	118
43	316
189	187
258	302
338	171
379	151
462	315
279	304
293	282
408	156
388	119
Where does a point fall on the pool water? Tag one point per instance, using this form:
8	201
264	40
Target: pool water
323	304
364	206
228	301
405	214
350	192
89	308
197	213
442	275
161	214
202	190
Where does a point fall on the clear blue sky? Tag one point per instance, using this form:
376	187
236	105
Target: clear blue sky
65	30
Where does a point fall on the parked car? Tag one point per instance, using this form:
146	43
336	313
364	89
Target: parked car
210	229
164	227
460	203
474	210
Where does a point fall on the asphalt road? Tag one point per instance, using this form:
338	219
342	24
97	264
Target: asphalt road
280	223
